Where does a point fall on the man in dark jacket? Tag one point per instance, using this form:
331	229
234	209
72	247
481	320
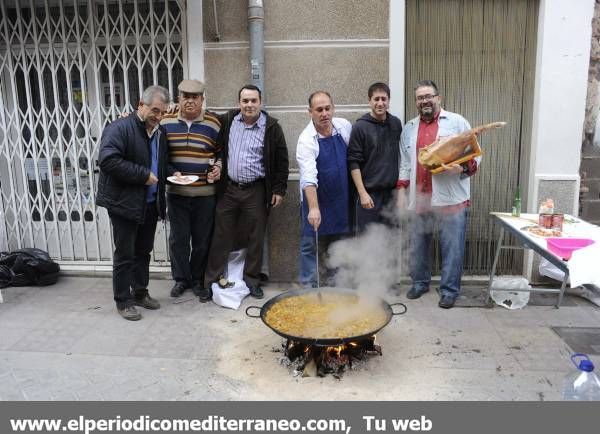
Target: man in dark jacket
373	158
255	159
133	170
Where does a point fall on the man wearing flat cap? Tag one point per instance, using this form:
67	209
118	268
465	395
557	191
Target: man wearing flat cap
194	149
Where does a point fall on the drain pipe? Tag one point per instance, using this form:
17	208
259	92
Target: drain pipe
256	29
217	33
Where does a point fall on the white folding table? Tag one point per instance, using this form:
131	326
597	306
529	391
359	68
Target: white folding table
528	241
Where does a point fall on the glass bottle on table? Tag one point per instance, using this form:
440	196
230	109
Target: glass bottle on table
516	208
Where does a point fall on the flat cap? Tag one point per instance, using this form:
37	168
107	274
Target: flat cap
191	86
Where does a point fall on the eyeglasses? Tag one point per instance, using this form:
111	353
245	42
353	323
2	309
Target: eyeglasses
422	98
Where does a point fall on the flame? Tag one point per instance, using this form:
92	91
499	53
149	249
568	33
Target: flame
336	350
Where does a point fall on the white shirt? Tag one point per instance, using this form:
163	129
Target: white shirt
307	150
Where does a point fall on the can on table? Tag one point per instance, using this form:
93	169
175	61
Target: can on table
557	221
545	220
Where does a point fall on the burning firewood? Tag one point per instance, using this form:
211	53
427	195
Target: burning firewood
309	360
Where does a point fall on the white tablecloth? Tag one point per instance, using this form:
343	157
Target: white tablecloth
584	265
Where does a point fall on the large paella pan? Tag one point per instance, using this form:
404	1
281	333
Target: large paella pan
326	316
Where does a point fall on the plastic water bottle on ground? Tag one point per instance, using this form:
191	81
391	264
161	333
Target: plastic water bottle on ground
582	384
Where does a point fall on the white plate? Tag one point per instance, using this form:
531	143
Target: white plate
540	232
183	180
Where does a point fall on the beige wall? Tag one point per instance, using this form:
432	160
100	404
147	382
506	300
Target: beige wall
337	45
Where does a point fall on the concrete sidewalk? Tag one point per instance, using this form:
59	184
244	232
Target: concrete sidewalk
67	342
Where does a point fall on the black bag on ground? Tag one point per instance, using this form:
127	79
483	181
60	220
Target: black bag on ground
28	266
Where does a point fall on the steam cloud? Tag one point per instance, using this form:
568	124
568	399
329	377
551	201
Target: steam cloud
374	261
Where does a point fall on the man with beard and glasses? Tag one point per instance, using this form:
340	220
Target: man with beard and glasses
373	158
255	159
322	160
194	149
442	199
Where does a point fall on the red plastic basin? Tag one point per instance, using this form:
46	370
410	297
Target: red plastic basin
564	247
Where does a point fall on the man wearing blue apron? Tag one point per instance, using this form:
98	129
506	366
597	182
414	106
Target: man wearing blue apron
322	159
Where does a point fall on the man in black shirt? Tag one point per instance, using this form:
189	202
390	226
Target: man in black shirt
373	154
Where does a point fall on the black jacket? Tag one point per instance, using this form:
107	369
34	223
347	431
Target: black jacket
125	161
275	155
374	148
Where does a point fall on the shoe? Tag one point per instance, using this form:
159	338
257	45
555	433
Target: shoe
130	313
256	292
415	293
446	301
179	288
204	294
147	302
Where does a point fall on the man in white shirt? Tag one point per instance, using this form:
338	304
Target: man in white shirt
322	159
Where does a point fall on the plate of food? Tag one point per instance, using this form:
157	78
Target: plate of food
571	220
542	232
182	179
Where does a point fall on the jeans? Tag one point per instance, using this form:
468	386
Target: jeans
452	232
131	259
308	260
191	218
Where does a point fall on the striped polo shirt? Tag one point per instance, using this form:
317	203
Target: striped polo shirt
190	149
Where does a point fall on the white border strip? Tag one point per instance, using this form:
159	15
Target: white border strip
396	79
195	42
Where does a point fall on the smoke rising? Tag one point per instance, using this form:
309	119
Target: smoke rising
374	261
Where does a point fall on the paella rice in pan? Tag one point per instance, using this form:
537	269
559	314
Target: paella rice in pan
325	316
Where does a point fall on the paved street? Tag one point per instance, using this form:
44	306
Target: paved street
67	342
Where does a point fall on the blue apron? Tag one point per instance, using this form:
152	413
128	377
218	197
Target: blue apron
332	193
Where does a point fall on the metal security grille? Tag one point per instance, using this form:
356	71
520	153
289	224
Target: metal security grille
67	68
